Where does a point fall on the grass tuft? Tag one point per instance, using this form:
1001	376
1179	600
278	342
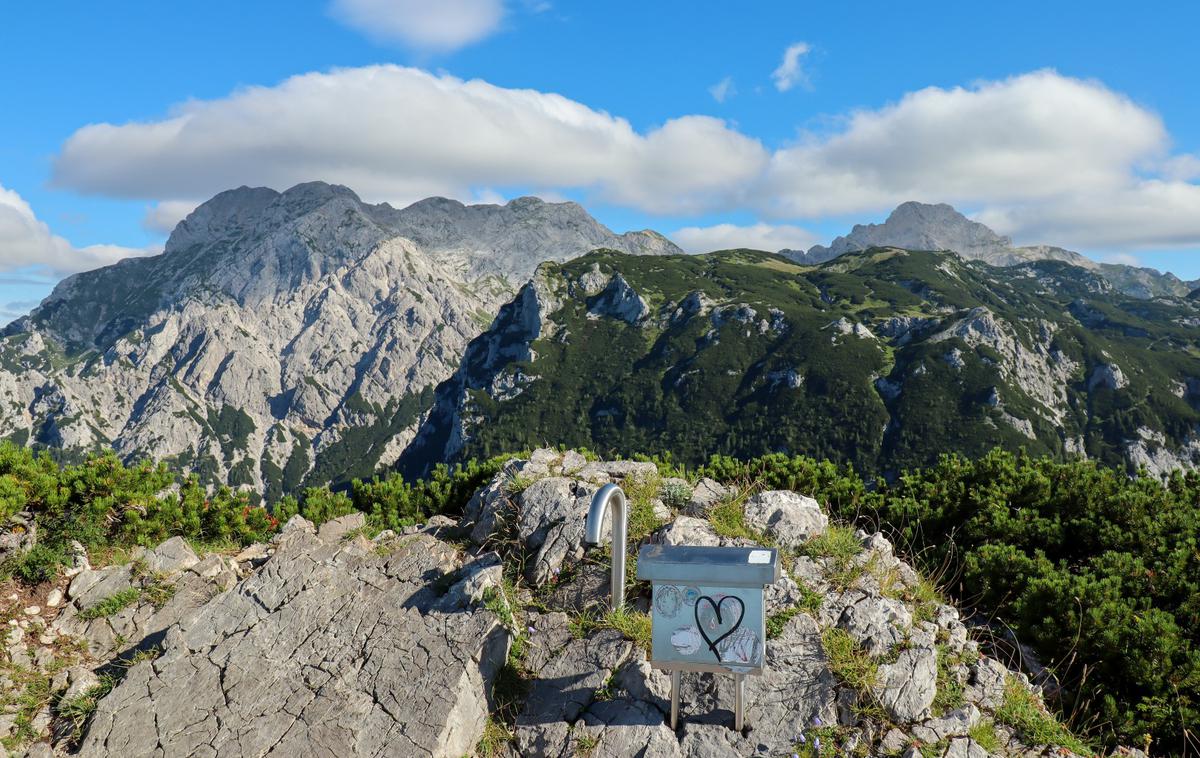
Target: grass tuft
112	604
840	546
1024	712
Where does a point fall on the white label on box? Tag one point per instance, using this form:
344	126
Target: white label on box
759	556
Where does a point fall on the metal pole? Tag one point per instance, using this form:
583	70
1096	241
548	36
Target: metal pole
739	701
610	494
675	676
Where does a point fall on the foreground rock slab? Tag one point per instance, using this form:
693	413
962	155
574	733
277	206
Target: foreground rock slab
333	648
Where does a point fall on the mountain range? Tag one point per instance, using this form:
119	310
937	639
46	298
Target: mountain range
296	338
884	359
280	338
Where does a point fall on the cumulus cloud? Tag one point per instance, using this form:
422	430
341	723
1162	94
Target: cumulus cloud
27	241
162	217
723	90
401	134
1035	136
1047	158
1043	157
441	25
704	239
790	71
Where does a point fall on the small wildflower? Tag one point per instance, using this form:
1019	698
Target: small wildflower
816	720
532	630
803	739
816	744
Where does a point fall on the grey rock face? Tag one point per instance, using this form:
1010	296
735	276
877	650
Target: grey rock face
330	648
274	324
620	301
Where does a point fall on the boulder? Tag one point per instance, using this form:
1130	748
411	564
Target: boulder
706	494
686	530
790	518
342	527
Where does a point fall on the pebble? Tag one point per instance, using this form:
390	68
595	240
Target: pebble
48	638
12	622
33	610
55	598
14	598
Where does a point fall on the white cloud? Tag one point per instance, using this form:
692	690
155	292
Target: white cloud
790	71
401	134
26	241
163	217
1145	214
1030	137
1123	258
723	90
1042	157
703	239
1182	167
1047	159
434	25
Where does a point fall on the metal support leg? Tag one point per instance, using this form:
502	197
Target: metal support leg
739	701
675	676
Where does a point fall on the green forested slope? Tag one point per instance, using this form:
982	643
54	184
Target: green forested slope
884	359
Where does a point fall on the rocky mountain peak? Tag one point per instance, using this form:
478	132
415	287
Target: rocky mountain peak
920	226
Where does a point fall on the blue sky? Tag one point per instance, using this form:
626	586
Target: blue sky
1066	123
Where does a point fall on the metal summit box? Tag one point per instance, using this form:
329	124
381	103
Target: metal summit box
707	611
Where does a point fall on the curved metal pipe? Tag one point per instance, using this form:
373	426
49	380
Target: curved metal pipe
610	495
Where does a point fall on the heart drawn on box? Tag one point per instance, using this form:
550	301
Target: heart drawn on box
720	619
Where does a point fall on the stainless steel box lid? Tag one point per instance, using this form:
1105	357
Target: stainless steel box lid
729	566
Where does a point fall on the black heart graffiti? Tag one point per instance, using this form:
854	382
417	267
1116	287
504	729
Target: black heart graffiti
716	606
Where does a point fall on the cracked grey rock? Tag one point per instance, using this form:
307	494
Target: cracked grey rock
341	527
564	687
907	687
142	621
964	747
878	623
170	557
329	649
568	682
795	687
986	687
956	723
552	515
588	588
686	530
706	494
790	518
628	726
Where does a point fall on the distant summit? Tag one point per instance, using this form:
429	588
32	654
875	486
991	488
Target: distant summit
920	226
924	226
